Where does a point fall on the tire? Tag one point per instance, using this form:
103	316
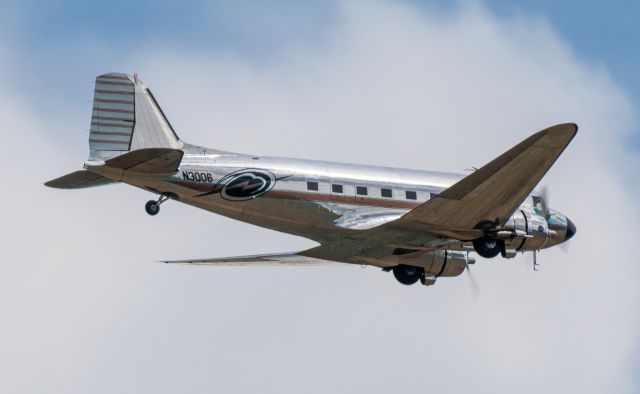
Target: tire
488	247
152	207
407	274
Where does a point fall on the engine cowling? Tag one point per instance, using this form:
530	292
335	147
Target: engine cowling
440	263
529	231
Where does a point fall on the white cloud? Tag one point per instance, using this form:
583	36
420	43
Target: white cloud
86	310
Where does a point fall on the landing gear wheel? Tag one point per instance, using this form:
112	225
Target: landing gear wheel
152	207
488	247
407	274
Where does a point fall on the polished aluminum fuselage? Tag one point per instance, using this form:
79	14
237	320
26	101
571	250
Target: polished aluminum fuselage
289	206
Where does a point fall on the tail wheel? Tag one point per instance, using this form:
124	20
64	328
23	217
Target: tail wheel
152	207
407	274
488	247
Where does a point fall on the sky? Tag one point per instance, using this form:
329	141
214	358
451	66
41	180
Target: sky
85	307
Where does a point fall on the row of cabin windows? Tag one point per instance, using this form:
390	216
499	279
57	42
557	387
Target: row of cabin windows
363	191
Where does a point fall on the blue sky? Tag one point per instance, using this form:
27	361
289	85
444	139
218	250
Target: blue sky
96	307
605	32
602	32
56	37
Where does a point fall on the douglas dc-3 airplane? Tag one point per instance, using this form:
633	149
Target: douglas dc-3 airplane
420	225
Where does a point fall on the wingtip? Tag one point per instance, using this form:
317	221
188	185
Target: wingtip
574	131
175	262
574	126
54	184
564	131
564	126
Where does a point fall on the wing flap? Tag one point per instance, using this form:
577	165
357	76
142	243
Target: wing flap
151	161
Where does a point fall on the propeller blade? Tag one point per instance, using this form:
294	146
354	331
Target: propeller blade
473	284
544	196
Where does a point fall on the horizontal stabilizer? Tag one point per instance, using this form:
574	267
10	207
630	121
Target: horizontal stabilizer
78	180
152	161
260	260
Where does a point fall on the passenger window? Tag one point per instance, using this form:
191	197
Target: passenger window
386	193
312	186
337	189
411	195
361	190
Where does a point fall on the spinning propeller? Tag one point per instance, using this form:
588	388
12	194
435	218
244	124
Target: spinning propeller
473	284
541	202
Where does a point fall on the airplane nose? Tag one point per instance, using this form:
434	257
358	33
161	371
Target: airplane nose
571	230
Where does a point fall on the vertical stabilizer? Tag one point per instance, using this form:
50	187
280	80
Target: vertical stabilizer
126	117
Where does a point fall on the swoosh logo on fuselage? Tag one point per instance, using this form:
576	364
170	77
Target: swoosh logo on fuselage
241	185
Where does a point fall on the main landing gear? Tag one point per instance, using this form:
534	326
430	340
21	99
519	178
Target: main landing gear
153	207
488	247
407	274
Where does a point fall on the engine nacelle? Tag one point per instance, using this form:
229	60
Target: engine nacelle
529	231
440	262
